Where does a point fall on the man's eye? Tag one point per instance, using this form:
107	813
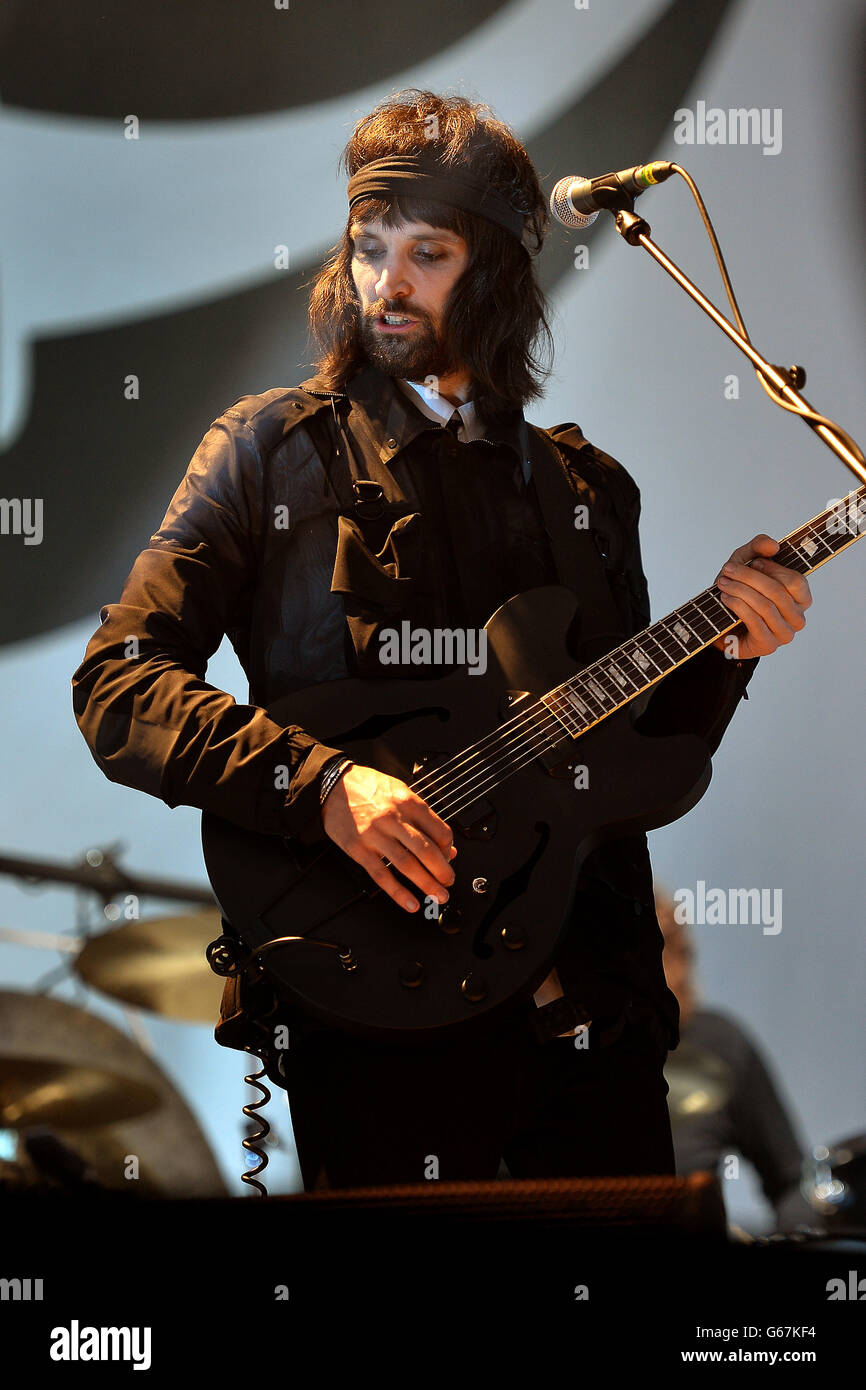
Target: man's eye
372	253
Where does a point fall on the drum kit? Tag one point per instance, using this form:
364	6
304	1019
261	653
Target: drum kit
82	1103
699	1083
832	1182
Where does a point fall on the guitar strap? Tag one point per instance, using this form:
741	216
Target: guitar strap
576	549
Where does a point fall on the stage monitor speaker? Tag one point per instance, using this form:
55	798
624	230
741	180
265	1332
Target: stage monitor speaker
692	1204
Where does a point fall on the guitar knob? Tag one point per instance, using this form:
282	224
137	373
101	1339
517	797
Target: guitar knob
474	988
411	974
513	936
450	919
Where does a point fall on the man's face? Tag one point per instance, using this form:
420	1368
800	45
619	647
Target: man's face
409	272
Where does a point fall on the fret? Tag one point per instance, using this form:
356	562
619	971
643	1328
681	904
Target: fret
621	676
793	558
654	649
669	633
848	518
635	664
699	622
605	680
638	663
572	712
558	707
847	521
830	538
592	692
810	545
722	616
840	534
582	708
685	632
642	659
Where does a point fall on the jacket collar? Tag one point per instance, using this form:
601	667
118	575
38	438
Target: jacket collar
393	420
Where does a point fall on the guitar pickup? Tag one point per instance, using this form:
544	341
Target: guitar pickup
425	762
478	821
511	701
558	764
475	822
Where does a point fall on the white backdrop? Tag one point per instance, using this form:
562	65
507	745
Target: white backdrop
643	372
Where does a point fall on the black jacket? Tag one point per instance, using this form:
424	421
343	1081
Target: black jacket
254	546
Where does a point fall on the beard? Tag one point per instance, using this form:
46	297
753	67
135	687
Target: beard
415	355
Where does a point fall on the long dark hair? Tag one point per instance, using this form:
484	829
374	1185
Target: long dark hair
497	314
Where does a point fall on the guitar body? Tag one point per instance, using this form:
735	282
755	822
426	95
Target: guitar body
433	973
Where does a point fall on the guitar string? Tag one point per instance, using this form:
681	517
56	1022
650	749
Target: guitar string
530	716
496	772
441	781
595	671
528	754
491	774
483	766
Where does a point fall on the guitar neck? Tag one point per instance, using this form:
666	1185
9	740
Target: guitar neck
549	724
630	669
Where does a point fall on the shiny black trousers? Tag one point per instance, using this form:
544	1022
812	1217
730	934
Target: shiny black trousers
369	1114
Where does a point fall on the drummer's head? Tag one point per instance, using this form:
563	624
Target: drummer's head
678	958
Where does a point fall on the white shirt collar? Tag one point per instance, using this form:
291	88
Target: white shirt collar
435	407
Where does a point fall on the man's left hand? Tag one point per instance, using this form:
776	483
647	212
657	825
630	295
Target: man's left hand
770	600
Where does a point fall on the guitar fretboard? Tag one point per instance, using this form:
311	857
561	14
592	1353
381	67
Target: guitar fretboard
610	683
617	678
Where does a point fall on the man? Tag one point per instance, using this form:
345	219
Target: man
415	490
751	1116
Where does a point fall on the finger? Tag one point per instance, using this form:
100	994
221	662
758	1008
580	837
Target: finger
796	584
426	851
427	821
427	835
380	874
764	626
762	544
767	596
411	867
765	573
762	588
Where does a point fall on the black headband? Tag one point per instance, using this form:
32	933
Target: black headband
426	178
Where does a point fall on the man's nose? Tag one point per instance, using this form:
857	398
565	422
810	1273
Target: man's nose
393	282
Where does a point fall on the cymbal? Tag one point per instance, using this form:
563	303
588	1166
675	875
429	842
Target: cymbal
172	1156
699	1082
158	965
36	1092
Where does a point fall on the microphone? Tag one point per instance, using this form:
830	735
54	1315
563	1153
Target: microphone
574	203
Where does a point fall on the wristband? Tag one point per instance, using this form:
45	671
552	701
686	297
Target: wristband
332	774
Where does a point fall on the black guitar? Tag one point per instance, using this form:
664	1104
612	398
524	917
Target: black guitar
532	764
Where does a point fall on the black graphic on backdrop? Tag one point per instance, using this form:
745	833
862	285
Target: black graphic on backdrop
107	467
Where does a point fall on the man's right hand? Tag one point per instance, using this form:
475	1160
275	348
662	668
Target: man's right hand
373	817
